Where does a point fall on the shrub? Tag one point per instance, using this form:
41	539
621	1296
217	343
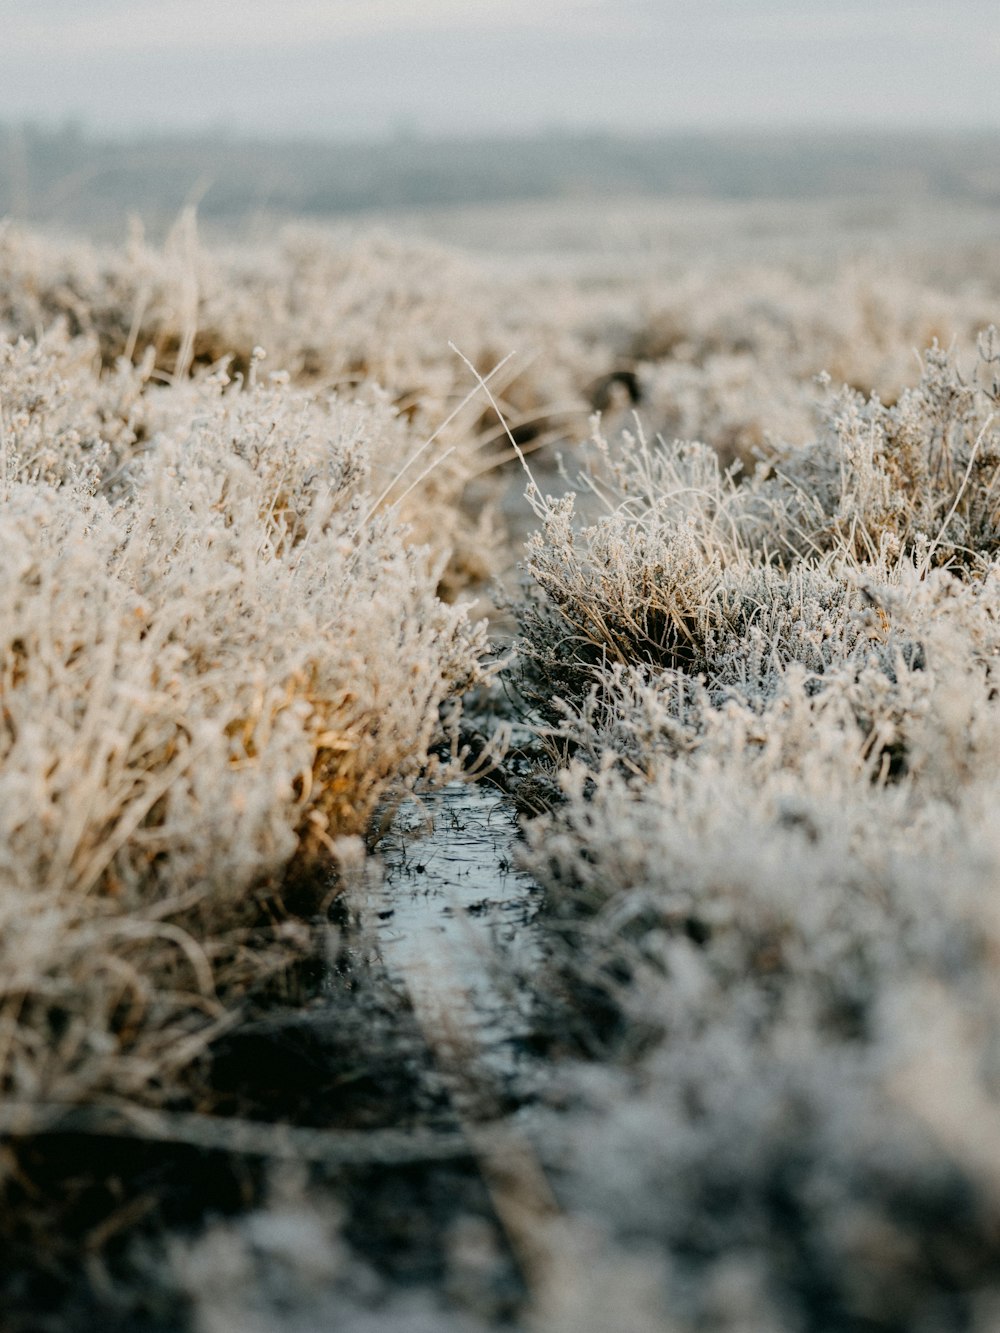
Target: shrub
208	677
770	854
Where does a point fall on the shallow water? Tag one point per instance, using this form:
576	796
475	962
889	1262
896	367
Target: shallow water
453	924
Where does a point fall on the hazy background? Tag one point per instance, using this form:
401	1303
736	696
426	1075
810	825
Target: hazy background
446	67
318	107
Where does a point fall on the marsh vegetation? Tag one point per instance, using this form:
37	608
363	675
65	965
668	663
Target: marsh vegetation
702	583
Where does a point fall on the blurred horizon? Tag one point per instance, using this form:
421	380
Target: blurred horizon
68	177
320	109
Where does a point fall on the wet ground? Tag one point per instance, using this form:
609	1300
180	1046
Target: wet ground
409	1073
453	923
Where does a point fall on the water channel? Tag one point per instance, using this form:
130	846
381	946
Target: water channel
453	921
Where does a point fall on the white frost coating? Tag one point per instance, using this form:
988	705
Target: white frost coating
776	829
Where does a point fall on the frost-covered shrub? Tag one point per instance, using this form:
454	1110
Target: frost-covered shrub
333	309
677	574
340	314
921	475
729	356
801	940
689	567
205	681
59	419
771	852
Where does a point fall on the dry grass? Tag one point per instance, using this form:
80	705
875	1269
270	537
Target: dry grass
769	695
218	656
774	709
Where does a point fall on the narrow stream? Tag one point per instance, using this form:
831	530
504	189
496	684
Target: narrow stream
453	923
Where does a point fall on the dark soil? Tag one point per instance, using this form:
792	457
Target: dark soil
89	1215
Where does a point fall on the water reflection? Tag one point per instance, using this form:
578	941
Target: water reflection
453	920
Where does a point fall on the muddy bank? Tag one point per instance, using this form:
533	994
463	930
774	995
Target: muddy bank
408	1043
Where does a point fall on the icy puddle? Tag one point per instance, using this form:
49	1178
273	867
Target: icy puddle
453	925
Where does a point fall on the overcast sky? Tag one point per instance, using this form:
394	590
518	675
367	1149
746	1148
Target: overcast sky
465	66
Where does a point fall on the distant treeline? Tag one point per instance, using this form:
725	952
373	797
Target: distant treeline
67	176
